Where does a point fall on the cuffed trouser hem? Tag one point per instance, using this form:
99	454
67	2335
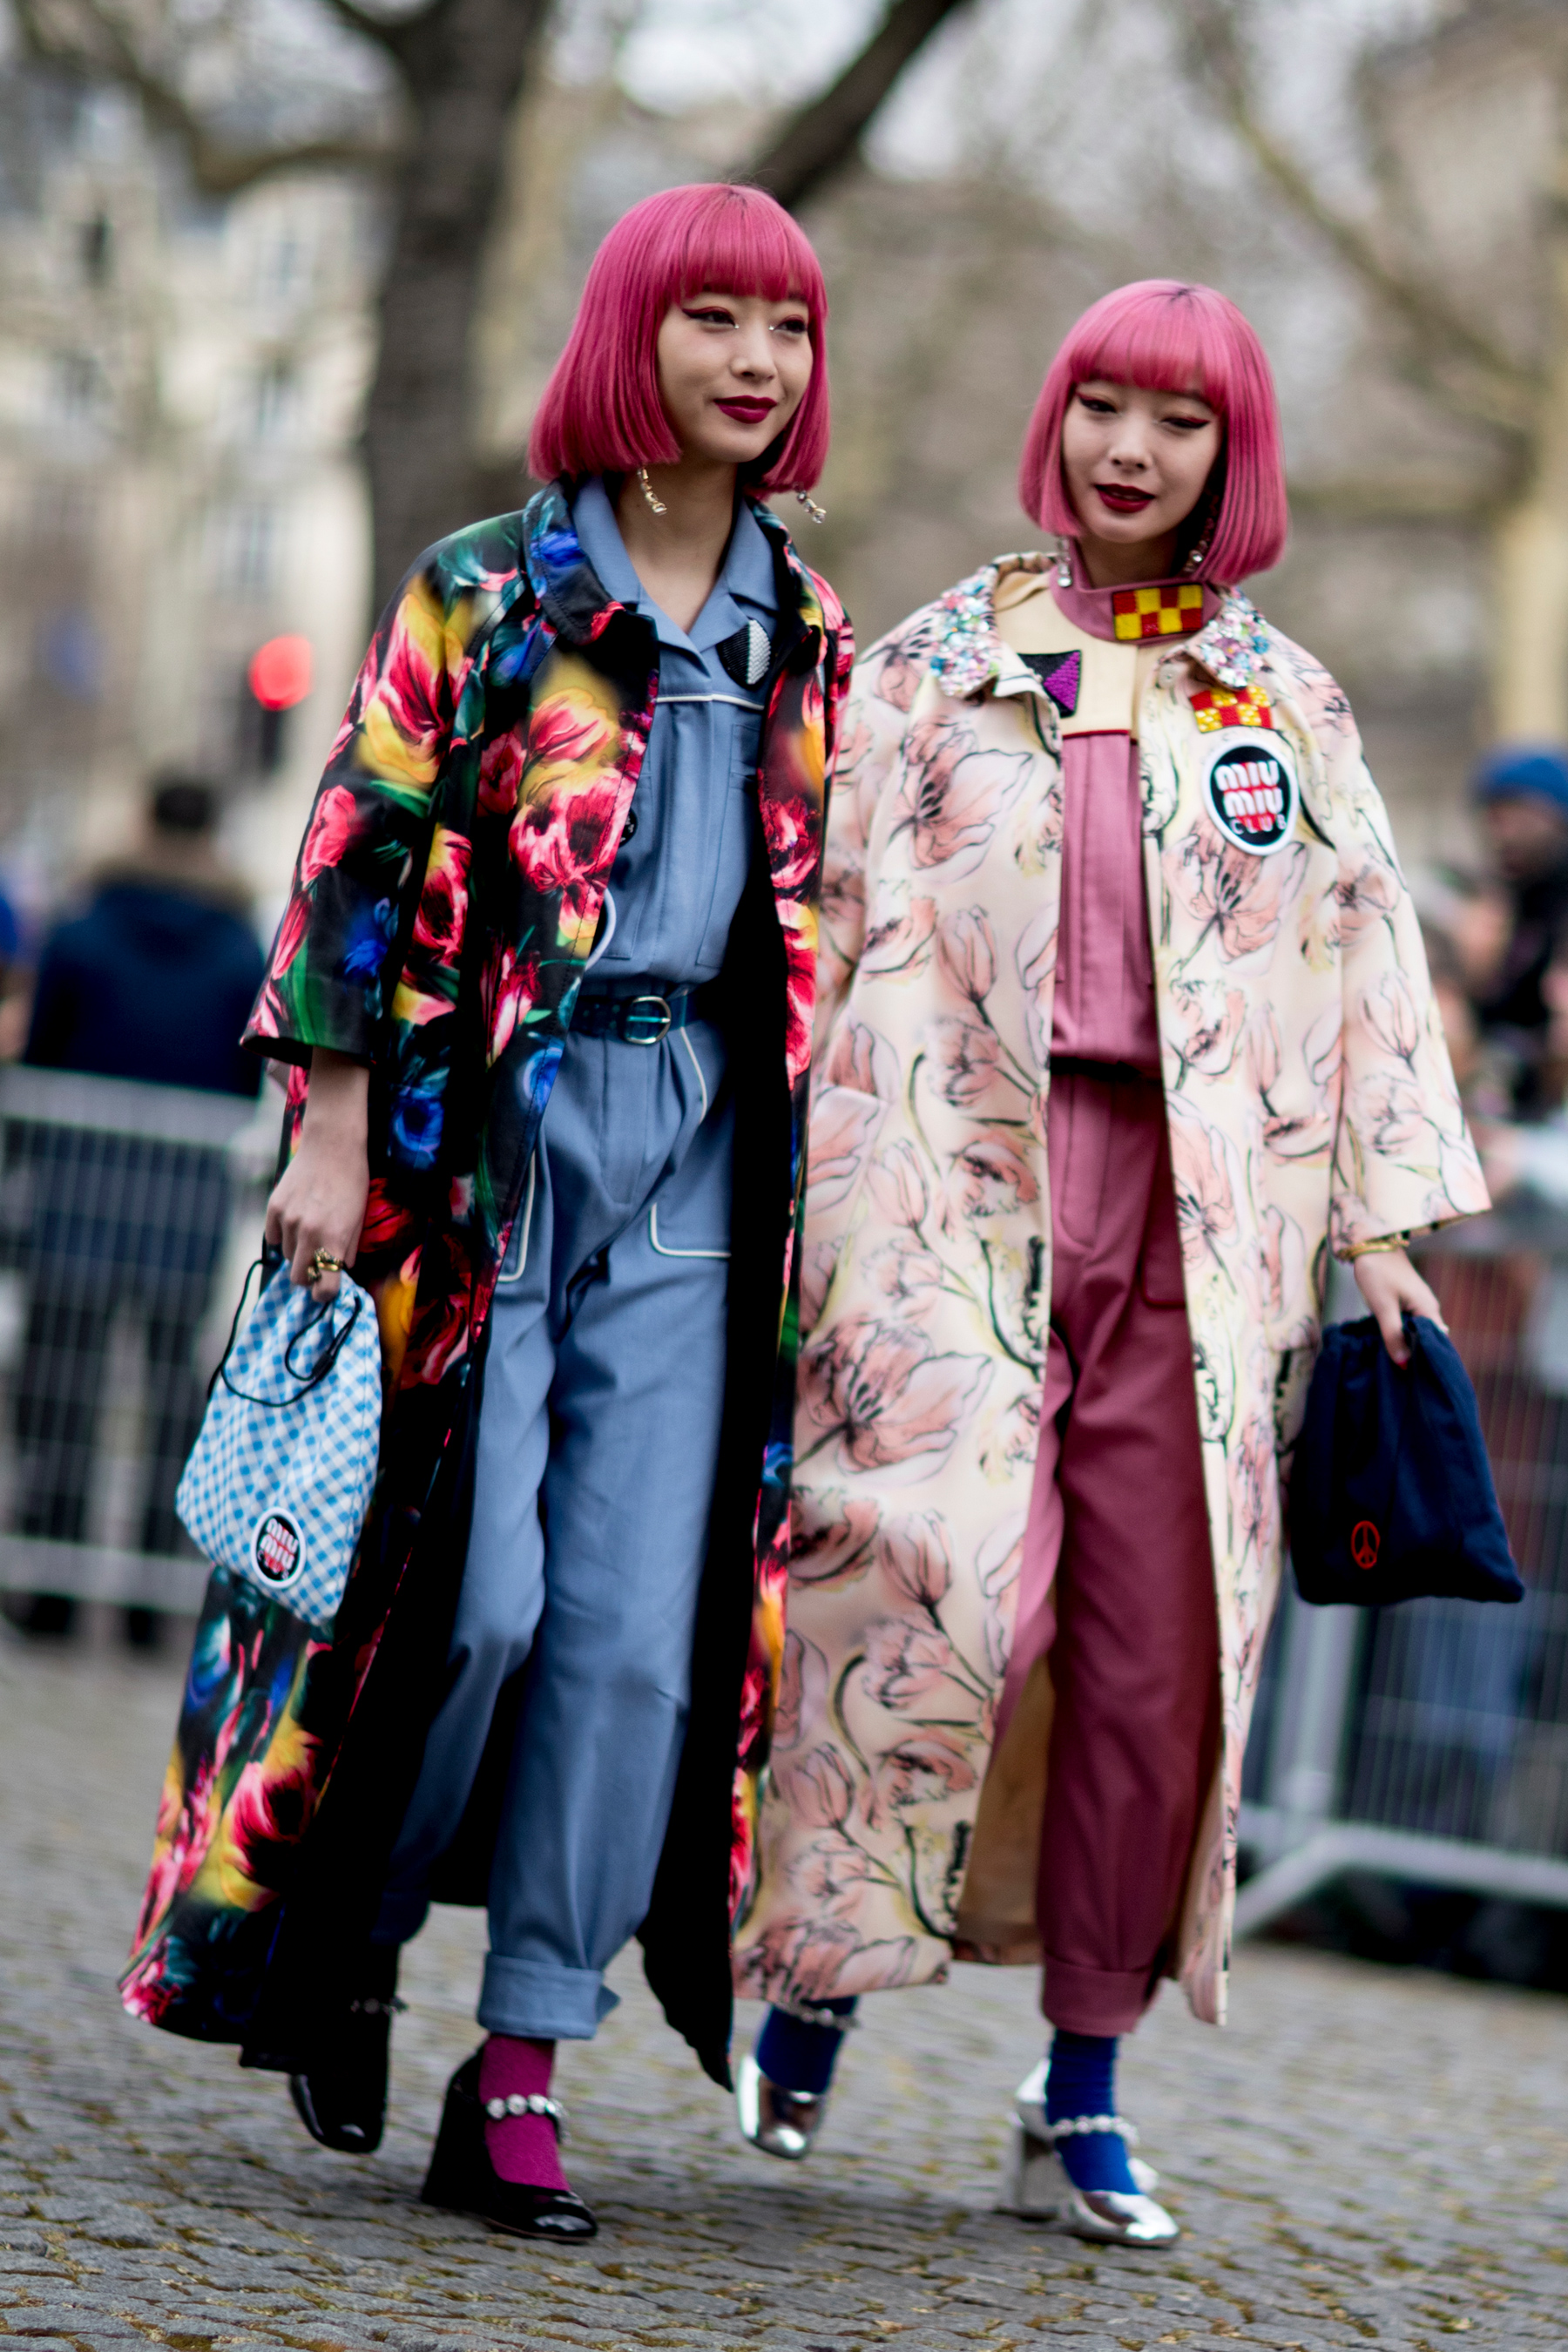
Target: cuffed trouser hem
1094	2001
536	2001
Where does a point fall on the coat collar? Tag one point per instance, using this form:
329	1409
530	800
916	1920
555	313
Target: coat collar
968	654
579	607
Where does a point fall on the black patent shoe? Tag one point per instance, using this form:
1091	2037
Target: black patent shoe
463	2179
341	2100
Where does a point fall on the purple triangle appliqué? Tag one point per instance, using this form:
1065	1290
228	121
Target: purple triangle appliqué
1062	683
1060	675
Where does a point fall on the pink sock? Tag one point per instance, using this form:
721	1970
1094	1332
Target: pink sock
522	2147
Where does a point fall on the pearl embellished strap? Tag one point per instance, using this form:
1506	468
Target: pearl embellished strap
367	2007
536	2104
1070	2126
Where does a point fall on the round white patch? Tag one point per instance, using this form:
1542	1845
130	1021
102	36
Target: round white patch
277	1547
1249	788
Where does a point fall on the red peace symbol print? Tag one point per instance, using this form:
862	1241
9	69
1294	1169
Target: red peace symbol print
1365	1542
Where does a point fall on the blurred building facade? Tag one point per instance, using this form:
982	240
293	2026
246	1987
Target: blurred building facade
180	384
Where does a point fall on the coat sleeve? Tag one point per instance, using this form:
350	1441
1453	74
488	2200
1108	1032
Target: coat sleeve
1404	1160
334	962
876	721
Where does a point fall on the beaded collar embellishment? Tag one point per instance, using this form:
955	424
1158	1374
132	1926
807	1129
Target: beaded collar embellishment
1234	644
968	652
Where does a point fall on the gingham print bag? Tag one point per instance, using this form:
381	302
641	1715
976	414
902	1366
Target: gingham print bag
279	1478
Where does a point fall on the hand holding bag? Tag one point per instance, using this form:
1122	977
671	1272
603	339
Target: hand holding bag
1391	1492
279	1478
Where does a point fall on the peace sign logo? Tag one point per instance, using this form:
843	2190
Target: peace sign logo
1365	1543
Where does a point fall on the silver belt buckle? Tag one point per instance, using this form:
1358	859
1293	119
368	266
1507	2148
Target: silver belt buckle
639	1029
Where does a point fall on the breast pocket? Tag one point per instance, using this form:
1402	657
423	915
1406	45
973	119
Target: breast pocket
732	858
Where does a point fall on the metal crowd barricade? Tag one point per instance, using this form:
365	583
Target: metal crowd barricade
1429	1742
127	1215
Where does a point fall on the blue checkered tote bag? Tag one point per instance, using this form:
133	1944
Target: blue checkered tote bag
279	1478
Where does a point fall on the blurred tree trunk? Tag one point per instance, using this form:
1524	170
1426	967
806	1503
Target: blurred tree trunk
466	64
1455	361
1530	535
815	142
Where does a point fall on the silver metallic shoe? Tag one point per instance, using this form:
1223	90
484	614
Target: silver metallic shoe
1037	2186
780	2122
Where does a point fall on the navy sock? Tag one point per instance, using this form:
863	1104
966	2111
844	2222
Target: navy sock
1082	2082
798	2056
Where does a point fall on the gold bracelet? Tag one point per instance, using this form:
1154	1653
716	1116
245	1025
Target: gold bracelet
1372	1249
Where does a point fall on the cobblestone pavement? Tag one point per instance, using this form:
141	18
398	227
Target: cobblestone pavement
1363	2158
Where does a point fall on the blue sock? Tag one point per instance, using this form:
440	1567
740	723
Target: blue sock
1082	2082
797	2056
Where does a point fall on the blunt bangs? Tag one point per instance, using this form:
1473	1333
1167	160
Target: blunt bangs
600	412
1166	336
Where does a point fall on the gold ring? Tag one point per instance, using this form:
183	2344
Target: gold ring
323	1262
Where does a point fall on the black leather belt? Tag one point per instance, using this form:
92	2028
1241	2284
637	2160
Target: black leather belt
643	1019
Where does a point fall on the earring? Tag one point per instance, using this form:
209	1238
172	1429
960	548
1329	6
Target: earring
1201	545
1064	563
656	503
817	514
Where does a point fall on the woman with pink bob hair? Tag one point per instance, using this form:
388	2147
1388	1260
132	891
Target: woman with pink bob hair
1124	1026
544	989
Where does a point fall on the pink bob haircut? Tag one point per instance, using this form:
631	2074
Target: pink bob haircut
601	411
1168	336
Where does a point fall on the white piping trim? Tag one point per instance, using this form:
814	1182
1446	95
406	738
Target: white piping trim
609	933
697	1066
527	1226
659	1247
738	700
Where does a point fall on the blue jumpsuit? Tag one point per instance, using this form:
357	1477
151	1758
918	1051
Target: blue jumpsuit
599	1436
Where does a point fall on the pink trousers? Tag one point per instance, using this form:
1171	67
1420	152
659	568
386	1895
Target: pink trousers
1118	1576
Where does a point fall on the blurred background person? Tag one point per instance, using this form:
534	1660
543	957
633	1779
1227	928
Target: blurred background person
154	981
1513	934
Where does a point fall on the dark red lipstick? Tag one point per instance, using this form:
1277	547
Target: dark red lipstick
748	411
1122	498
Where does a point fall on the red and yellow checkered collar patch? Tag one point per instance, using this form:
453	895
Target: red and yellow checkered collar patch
1141	612
1220	709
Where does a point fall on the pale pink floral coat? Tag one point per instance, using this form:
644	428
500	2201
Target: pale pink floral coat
1310	1102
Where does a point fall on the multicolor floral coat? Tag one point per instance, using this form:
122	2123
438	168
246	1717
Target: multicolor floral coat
445	896
1309	1101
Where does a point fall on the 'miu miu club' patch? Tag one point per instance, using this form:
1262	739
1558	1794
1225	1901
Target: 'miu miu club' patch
1251	789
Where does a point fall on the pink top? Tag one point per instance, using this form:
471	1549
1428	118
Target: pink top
1105	971
1105	967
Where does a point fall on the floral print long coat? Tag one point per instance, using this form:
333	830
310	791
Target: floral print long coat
1311	1104
445	898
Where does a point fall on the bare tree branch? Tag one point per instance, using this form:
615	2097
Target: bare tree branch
825	133
1467	367
96	42
389	33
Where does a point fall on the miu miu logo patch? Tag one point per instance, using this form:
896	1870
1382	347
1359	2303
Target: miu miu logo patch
1250	789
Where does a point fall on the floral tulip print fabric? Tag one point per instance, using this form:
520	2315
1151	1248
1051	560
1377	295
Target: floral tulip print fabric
1309	1101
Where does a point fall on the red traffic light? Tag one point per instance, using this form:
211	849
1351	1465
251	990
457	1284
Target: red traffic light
280	673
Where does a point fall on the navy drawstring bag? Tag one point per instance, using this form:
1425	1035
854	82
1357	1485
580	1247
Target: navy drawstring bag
1391	1492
